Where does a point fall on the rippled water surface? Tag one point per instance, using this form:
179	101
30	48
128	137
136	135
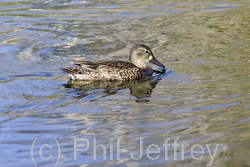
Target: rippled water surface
203	100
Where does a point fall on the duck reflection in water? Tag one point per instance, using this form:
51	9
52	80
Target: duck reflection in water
138	88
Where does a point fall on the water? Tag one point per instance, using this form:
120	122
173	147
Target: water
203	101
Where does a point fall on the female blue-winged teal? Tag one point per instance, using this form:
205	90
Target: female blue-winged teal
117	69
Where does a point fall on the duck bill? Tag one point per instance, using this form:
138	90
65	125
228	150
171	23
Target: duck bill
156	62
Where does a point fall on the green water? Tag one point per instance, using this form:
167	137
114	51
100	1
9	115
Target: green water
203	101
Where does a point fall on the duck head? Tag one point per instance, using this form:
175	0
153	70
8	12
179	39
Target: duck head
142	54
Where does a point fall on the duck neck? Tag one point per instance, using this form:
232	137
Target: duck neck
142	66
147	70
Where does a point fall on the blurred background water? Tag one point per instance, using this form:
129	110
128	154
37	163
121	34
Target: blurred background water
204	100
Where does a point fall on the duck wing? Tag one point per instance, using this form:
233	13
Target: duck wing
112	69
90	65
104	64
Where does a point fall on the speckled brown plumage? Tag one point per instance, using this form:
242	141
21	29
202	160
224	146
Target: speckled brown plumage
116	69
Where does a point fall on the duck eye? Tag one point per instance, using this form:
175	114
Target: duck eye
146	51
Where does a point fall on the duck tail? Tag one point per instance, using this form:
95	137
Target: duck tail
68	71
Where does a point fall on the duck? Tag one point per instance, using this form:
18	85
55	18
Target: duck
108	70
